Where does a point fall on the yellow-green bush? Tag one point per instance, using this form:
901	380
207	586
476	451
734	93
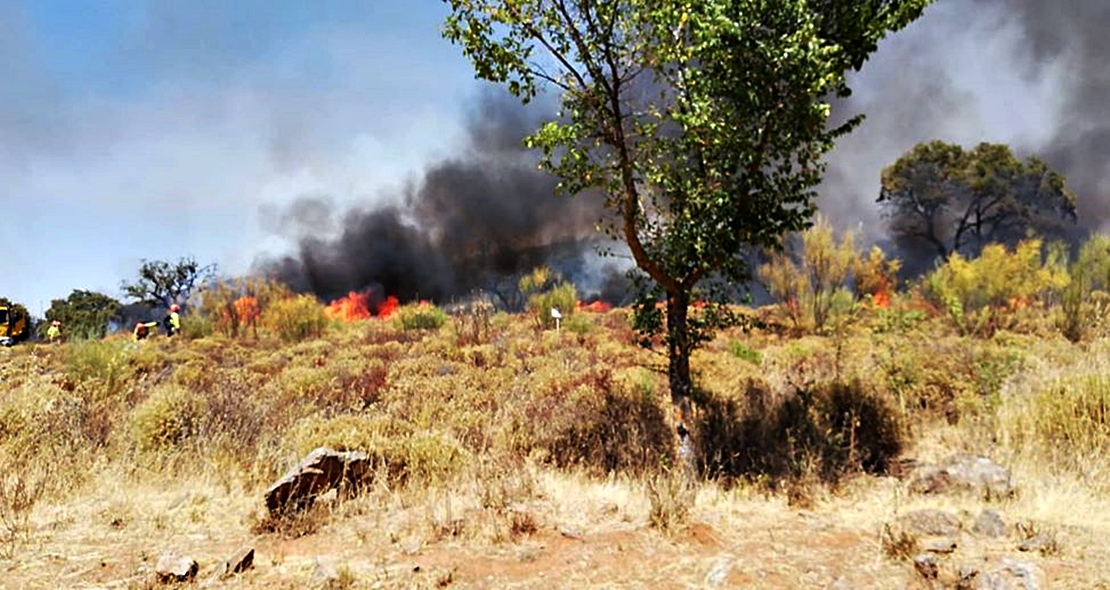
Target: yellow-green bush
979	296
811	283
545	291
295	318
168	418
419	316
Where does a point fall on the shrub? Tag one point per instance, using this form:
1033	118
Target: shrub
598	425
1084	304
980	295
419	316
545	291
811	286
169	417
826	431
875	276
235	305
296	318
1069	419
474	323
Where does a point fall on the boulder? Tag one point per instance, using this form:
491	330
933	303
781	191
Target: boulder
322	470
963	473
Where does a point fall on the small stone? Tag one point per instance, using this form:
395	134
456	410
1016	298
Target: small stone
173	567
718	573
989	524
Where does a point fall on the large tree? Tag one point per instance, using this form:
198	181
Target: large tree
84	314
162	283
704	121
941	198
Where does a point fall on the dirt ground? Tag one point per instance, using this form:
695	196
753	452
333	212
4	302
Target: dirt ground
570	533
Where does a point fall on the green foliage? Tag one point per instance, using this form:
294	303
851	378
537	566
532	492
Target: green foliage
163	283
1084	301
169	417
980	295
84	314
953	200
742	352
419	316
724	154
295	318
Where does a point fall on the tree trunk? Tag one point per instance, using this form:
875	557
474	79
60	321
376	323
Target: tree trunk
678	370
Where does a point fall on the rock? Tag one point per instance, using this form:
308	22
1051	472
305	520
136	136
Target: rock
718	573
322	470
241	561
963	473
930	522
1007	575
173	567
926	566
324	574
989	524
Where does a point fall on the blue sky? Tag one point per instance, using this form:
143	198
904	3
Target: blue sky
135	129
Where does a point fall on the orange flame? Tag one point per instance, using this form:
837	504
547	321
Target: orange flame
247	309
356	306
595	306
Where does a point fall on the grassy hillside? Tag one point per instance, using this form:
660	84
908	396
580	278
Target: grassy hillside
509	453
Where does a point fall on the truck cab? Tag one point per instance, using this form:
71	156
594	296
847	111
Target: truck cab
13	324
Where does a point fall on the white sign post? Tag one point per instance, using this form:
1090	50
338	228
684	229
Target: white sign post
558	316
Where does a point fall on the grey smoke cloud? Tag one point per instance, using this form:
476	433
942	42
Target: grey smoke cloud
1021	72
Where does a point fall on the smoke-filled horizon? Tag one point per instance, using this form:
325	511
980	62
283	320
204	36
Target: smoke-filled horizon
470	221
1023	72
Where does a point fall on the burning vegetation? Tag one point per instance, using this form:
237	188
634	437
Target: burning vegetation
361	305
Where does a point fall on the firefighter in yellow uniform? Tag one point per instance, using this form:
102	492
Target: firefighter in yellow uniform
54	332
173	321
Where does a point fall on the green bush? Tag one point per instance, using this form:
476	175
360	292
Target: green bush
169	417
1084	302
295	318
419	316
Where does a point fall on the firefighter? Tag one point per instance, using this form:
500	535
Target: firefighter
143	329
54	332
173	321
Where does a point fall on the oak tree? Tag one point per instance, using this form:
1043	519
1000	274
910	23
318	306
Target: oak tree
942	198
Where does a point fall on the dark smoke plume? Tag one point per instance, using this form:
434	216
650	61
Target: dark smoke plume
482	217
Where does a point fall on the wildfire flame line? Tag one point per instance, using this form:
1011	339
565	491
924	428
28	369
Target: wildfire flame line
357	306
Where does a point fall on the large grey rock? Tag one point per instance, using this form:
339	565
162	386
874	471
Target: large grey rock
1008	574
322	470
173	567
963	473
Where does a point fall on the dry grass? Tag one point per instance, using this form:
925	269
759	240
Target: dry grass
507	458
